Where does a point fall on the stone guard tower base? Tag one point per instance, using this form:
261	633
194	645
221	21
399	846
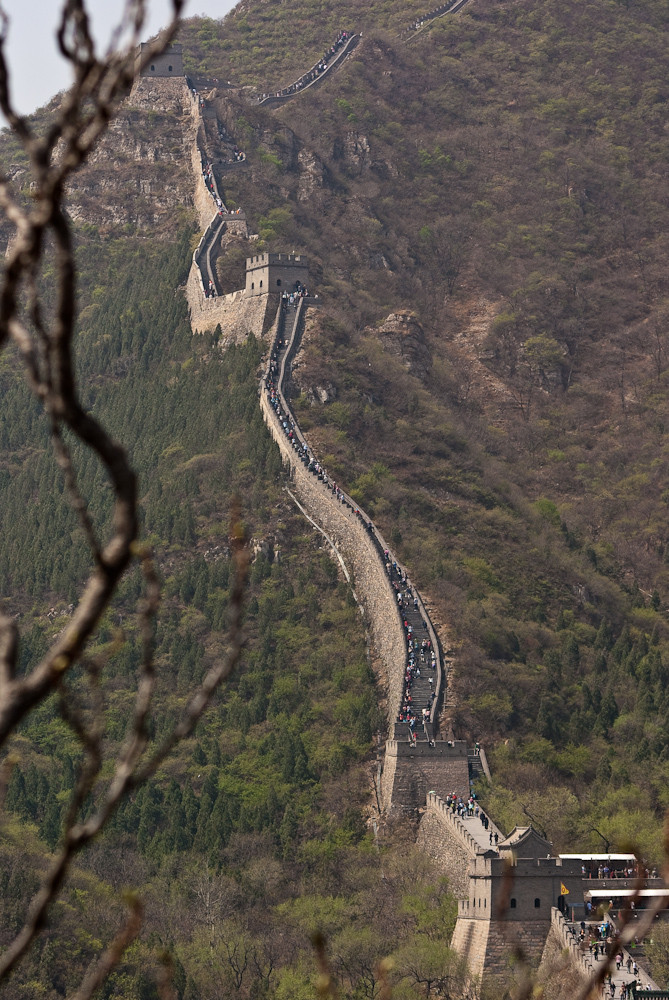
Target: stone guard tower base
275	272
169	64
511	895
409	773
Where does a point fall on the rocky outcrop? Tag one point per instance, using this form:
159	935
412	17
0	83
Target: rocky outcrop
139	172
356	152
311	175
402	335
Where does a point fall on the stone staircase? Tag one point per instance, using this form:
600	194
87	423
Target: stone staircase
445	8
421	689
314	76
475	765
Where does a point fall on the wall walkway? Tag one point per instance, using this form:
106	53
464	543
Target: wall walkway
318	72
237	315
341	519
362	548
446	8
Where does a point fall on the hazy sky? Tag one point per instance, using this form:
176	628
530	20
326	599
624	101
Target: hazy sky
38	72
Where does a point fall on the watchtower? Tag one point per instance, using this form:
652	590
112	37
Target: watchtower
275	272
511	894
169	64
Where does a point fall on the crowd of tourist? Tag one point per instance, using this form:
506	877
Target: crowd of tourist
237	155
343	38
598	939
463	807
420	654
415	708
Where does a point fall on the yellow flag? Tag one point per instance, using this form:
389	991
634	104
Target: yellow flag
564	891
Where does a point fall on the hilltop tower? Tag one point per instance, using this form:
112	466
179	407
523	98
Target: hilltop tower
275	272
169	64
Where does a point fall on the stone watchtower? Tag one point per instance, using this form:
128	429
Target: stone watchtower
511	894
169	64
275	272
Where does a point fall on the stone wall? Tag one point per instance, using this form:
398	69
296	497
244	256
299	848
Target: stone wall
489	946
272	100
167	64
162	94
441	843
238	314
204	204
562	957
409	773
360	554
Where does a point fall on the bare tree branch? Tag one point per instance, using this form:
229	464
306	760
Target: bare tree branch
127	774
44	340
86	110
110	958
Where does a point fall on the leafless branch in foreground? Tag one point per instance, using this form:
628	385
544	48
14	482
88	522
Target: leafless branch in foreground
43	339
45	343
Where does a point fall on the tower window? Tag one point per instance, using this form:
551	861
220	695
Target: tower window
253	285
537	903
261	284
169	69
153	69
278	281
513	904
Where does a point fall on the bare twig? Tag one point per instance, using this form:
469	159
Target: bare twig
629	930
325	984
113	954
43	340
45	347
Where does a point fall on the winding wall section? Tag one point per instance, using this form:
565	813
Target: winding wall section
401	631
411	768
339	520
313	77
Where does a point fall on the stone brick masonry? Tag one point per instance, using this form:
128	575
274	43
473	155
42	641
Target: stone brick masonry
450	854
359	553
409	773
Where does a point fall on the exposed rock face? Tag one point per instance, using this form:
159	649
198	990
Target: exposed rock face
311	174
325	393
402	335
356	152
308	379
141	169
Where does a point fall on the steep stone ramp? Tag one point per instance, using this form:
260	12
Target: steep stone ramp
377	573
238	315
336	513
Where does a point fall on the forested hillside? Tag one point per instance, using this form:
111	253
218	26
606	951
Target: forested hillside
258	822
495	183
484	207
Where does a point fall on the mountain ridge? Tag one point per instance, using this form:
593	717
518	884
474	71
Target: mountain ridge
512	200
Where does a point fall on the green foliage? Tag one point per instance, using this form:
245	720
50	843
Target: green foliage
512	447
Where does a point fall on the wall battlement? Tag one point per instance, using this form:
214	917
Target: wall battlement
275	272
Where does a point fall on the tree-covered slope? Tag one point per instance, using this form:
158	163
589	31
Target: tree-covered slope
256	825
501	177
497	183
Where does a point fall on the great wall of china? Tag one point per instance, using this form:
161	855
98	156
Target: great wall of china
421	767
